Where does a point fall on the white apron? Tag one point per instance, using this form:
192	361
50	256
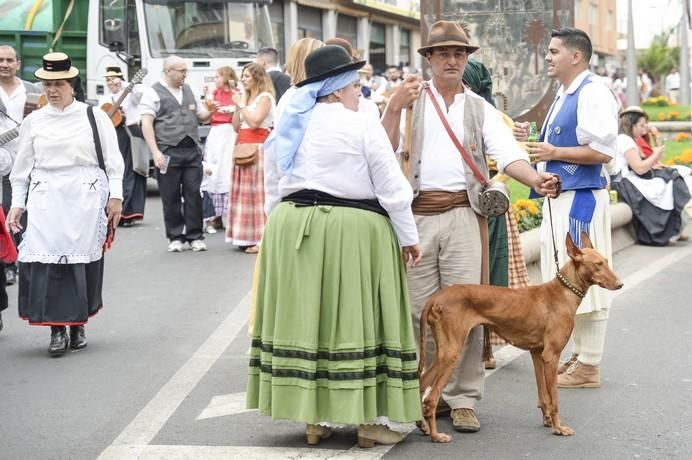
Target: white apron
66	218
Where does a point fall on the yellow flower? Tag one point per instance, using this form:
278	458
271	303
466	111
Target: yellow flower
661	116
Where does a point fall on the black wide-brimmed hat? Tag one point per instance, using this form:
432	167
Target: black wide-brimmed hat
56	66
328	61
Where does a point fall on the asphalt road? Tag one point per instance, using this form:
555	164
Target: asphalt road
164	373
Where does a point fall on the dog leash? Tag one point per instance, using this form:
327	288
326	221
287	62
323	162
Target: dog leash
578	292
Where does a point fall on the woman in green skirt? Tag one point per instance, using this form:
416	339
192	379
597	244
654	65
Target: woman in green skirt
333	341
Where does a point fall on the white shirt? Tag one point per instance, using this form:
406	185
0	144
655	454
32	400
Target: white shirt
150	102
442	166
369	108
597	114
673	81
14	106
268	121
624	144
51	138
130	105
346	155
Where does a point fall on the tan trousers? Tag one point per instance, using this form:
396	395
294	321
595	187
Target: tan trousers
451	245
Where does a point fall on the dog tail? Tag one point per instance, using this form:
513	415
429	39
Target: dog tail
424	334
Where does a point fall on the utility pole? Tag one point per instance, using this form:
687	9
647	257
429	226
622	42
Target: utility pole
684	58
632	92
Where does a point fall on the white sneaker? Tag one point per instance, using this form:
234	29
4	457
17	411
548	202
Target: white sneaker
175	246
210	229
198	245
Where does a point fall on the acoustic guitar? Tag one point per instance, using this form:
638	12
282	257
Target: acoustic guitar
116	115
28	108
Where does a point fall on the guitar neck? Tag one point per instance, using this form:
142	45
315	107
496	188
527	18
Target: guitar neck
120	100
9	135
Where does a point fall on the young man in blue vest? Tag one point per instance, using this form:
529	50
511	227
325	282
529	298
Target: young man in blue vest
577	139
170	115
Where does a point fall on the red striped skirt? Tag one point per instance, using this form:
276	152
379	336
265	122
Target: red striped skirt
246	216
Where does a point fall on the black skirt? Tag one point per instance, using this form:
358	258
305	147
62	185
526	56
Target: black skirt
59	294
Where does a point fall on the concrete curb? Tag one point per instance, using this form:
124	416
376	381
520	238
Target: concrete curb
623	237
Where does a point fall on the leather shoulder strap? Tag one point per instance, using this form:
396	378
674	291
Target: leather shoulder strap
453	137
97	139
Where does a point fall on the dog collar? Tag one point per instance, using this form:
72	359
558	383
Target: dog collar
569	285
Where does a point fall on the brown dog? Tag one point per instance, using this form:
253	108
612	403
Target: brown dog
535	318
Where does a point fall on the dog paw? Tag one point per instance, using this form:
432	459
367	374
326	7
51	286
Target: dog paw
547	421
563	430
440	437
423	427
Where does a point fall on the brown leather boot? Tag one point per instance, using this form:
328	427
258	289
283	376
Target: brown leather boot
580	375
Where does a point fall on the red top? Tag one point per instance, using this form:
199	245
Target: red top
224	98
644	147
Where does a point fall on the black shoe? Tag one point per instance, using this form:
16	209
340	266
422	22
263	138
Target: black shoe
77	337
58	341
127	223
10	275
1	325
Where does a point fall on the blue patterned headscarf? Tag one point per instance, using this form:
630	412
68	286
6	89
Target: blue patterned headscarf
288	135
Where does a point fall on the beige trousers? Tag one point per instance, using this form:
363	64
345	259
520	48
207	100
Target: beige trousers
451	245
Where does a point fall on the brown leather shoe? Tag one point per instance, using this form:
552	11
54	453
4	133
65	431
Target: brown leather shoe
580	375
465	421
369	435
566	365
316	433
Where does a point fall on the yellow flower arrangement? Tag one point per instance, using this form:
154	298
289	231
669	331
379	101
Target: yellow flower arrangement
682	137
685	159
661	116
660	101
527	214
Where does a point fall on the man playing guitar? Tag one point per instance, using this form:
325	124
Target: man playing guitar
17	99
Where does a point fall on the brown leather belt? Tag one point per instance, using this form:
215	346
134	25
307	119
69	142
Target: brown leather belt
434	203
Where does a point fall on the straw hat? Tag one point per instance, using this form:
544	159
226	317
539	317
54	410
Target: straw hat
56	66
633	109
328	61
447	33
113	71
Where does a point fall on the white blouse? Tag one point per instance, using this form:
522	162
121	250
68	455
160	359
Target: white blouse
51	138
346	155
130	105
268	121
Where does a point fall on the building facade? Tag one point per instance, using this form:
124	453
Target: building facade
385	32
598	18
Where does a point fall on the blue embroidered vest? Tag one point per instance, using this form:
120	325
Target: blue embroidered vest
563	133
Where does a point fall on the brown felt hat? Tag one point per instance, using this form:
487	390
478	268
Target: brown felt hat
447	33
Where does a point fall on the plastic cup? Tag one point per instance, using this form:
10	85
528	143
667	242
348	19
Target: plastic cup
167	159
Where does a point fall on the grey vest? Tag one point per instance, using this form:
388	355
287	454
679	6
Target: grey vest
473	143
175	121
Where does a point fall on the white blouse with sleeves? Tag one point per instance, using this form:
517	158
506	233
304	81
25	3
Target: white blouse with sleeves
51	138
346	155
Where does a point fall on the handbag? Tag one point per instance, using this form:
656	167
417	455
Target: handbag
8	251
493	199
245	154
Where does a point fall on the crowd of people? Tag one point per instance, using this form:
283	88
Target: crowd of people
334	336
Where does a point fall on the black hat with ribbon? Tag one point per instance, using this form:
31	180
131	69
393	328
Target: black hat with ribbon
328	61
56	66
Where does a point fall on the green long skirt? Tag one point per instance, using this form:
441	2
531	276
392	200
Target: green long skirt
333	338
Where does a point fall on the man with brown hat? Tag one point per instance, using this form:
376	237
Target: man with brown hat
453	232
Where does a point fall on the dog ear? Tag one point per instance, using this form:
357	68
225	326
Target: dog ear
585	241
572	250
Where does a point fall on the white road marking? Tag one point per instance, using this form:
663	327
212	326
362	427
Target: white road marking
134	441
139	433
223	405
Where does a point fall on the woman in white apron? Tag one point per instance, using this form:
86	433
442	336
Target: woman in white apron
57	179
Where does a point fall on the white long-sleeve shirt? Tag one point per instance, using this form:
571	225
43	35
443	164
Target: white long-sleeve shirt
346	155
597	114
51	138
14	106
130	105
442	166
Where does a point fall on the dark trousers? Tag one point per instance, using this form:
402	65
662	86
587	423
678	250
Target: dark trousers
182	180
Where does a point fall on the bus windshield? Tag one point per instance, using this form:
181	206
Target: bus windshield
229	29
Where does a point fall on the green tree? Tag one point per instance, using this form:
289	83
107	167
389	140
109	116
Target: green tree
659	58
